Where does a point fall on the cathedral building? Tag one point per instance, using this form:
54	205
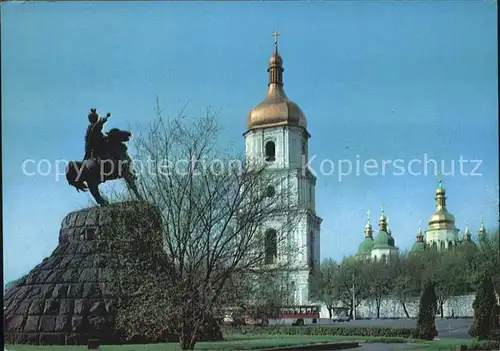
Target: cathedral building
277	131
441	233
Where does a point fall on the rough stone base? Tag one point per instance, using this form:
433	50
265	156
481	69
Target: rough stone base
64	299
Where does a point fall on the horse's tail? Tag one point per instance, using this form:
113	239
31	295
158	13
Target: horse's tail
73	173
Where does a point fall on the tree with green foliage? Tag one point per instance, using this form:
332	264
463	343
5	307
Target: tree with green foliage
489	257
485	309
352	274
426	323
380	279
325	285
407	271
469	262
447	271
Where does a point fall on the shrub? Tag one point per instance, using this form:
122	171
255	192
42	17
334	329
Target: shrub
484	345
426	323
323	331
485	310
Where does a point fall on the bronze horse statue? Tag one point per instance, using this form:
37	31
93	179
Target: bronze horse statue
116	164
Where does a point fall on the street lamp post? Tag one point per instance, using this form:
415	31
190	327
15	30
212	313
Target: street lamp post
353	299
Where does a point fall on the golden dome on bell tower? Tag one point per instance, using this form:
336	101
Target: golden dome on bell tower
276	109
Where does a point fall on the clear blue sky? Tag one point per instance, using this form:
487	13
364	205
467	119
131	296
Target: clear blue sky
381	80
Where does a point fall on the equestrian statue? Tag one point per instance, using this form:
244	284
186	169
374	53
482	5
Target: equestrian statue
106	158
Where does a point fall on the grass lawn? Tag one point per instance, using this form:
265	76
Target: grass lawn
234	342
246	342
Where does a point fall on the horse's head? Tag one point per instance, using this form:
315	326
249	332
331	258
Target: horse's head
116	135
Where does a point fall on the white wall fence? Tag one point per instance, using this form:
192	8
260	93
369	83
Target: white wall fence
459	306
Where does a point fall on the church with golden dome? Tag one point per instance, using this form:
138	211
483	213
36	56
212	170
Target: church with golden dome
277	132
441	233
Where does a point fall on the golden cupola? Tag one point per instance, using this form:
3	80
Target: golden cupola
368	228
467	235
482	231
441	219
276	109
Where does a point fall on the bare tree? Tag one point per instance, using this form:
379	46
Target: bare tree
219	220
259	294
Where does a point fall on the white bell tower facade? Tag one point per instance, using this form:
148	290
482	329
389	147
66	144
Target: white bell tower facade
277	132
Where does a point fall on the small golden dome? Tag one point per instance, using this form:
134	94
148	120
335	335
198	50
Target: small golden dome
275	60
368	227
276	109
482	229
441	218
467	235
383	218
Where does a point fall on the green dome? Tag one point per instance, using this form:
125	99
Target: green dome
418	246
366	246
383	240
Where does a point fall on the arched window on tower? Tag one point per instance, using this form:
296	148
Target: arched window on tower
384	258
441	244
450	244
271	247
270	149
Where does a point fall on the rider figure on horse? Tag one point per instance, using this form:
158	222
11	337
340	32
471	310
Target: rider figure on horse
94	138
106	158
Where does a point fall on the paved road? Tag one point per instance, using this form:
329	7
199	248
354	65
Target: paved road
447	328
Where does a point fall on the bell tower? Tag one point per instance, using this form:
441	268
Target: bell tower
277	132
